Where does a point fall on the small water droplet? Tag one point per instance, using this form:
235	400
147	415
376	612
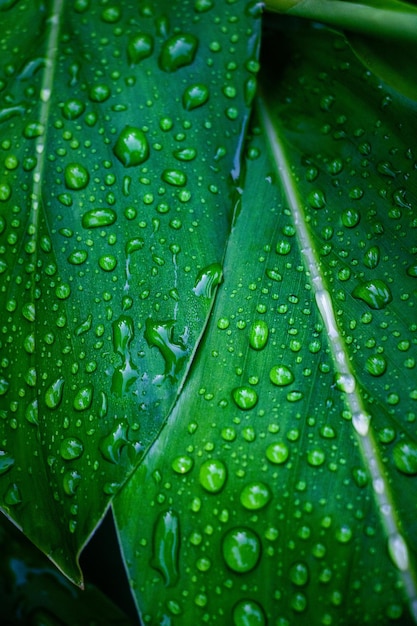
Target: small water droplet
277	453
83	398
6	462
258	335
182	464
123	335
249	613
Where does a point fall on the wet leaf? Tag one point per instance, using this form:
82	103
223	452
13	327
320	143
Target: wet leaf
115	204
282	489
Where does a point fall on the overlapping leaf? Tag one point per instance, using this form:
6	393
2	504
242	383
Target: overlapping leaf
120	125
270	500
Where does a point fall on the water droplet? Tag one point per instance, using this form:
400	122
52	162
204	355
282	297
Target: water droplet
160	335
166	546
398	551
405	457
376	364
255	496
177	178
258	335
316	199
98	218
6	461
248	613
371	257
71	482
72	109
31	412
131	147
350	218
71	448
178	51
126	373
277	452
207	280
77	257
13	495
212	476
53	395
83	398
245	397
316	457
140	47
241	549
299	574
107	262
112	444
99	93
281	375
375	293
182	464
195	96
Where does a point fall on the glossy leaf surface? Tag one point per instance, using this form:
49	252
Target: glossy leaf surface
282	489
120	129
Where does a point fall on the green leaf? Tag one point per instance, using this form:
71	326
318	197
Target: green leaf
282	489
120	130
389	19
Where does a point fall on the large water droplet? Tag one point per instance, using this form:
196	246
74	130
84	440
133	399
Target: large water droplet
83	398
166	545
207	280
195	96
245	397
112	444
213	474
375	293
131	147
76	176
71	448
405	457
258	335
98	218
140	47
53	395
281	375
124	375
6	461
160	335
178	51
241	549
255	496
248	613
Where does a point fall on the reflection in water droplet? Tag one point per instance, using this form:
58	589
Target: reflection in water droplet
140	47
195	96
241	549
281	375
166	545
